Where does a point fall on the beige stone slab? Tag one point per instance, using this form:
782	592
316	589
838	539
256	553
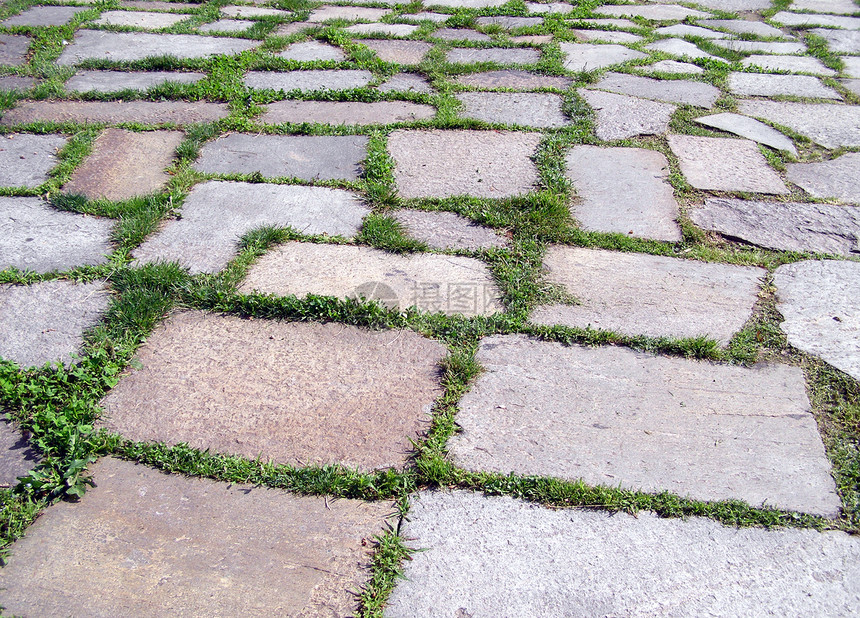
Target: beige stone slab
113	112
347	113
295	393
401	52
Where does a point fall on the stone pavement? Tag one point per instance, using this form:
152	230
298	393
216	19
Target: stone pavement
552	308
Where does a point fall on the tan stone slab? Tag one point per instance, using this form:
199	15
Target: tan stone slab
401	52
295	393
346	113
147	543
112	112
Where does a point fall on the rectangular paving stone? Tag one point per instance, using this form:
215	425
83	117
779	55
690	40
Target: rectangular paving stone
349	13
606	36
536	40
680	48
253	11
9	83
26	159
840	41
114	112
639	294
16	456
514	79
509	23
216	214
406	82
682	30
155	5
743	26
620	116
765	85
299	393
401	30
140	19
670	90
807	19
616	417
788	64
453	285
851	66
658	12
833	179
148	543
401	52
459	34
346	113
750	129
447	230
497	55
226	25
674	67
843	7
730	6
309	51
764	47
588	57
13	49
45	16
828	125
436	18
466	4
308	80
528	109
581	562
551	8
115	81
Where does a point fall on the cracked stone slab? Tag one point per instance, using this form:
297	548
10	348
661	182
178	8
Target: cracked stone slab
669	90
834	179
401	52
742	26
509	23
764	47
681	48
346	113
36	237
349	13
16	456
788	64
718	164
309	51
453	285
528	109
401	30
840	41
653	12
820	301
766	85
623	190
253	11
675	67
26	159
467	55
620	116
140	19
638	294
113	112
115	81
588	57
447	230
216	214
13	49
807	19
750	129
607	36
459	34
514	79
226	25
581	562
45	16
406	82
14	82
843	7
146	542
492	164
682	30
828	125
308	80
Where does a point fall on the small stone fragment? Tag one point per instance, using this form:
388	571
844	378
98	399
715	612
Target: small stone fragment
446	230
750	129
620	116
16	456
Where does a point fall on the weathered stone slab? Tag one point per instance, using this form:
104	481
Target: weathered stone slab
318	157
406	82
532	39
549	8
514	79
764	47
620	116
843	7
750	129
606	36
581	562
466	4
851	66
587	57
730	6
654	12
347	113
446	230
837	178
34	236
45	16
115	81
26	159
436	18
853	85
308	51
436	283
45	322
112	112
612	23
807	19
638	294
383	28
623	190
139	19
16	456
528	109
15	82
295	27
840	41
308	80
401	52
13	49
742	26
156	5
819	300
145	542
509	23
718	164
216	214
766	85
466	55
672	91
680	48
253	11
788	64
492	164
226	25
682	30
349	13
675	67
459	34
829	125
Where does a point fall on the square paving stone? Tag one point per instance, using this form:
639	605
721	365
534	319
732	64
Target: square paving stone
300	394
317	157
406	82
452	285
514	79
346	113
253	11
226	25
674	67
786	226
837	178
588	57
750	129
765	47
620	116
125	164
509	23
115	81
807	19
34	236
9	83
381	28
528	109
16	456
742	26
114	112
45	322
680	48
309	51
139	19
828	125
840	41
401	52
308	80
659	12
147	543
497	55
638	294
820	301
13	49
623	190
581	562
492	164
765	85
616	417
459	34
843	7
446	230
788	64
349	13
606	36
669	90
45	16
717	164
25	159
216	214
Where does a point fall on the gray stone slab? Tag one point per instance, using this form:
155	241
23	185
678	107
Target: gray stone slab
829	125
491	164
347	113
509	23
226	25
587	57
34	236
852	85
453	285
45	322
840	41
308	80
318	157
606	36
14	82
45	16
718	164
750	129
654	12
680	48
459	34
446	230
837	178
140	19
532	39
115	81
16	456
466	4
682	30
819	301
807	19
620	116
581	562
549	8
764	47
406	82
851	66
672	91
788	64
638	294
253	11
674	67
840	7
145	542
623	190
26	159
309	51
743	26
13	49
295	27
786	226
401	30
401	52
155	5
601	23
514	79
731	6
766	85
436	18
528	109
112	112
497	55
349	13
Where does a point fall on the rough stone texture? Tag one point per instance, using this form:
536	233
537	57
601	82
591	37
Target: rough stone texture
308	80
144	112
318	157
14	82
491	164
139	19
765	47
459	34
742	26
532	39
612	23
580	562
155	5
406	82
308	51
606	36
130	46
829	125
844	7
446	230
765	85
436	18
787	226
673	91
679	47
718	164
347	113
382	28
26	159
788	64
226	25
852	85
465	55
820	301
840	41
529	109
349	13
851	66
620	116
294	27
45	16
623	190
148	543
655	12
16	456
551	8
34	236
675	67
216	214
401	52
514	79
837	178
13	49
682	30
587	57
730	6
448	284
750	129
466	4
806	19
509	23
638	294
45	322
114	81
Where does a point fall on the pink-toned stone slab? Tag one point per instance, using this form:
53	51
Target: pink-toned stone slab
401	52
514	79
113	112
346	113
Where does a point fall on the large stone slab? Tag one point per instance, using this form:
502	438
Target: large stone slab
551	8
743	26
581	562
750	129
765	85
459	34
309	51
509	23
401	52
528	109
606	36
226	25
45	16
807	19
638	294
840	41
346	79
819	300
430	282
401	30
436	18
253	11
718	164
349	13
466	4
829	125
675	68
682	30
514	79
406	82
842	7
654	12
26	159
730	6
651	423
588	57
837	178
139	19
114	112
145	542
670	90
347	113
216	214
34	236
851	66
680	48
13	49
497	55
620	116
16	456
764	47
115	81
853	85
300	393
788	64
490	164
10	83
446	230
623	190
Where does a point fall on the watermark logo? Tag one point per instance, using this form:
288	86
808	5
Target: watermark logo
464	297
